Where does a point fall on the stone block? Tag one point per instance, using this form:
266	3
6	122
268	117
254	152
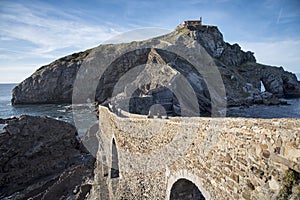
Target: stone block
234	177
266	153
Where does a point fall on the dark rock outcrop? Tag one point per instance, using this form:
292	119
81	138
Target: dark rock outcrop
41	158
212	40
52	83
240	73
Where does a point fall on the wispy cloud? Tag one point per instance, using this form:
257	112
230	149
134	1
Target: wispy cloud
34	32
284	11
49	32
278	53
18	73
279	16
286	16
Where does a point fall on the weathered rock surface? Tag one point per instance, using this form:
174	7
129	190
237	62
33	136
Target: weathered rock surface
212	40
153	68
41	158
52	83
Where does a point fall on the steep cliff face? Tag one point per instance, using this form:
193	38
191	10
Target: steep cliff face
52	83
212	40
152	68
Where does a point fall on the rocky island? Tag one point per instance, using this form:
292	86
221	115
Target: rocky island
241	75
161	157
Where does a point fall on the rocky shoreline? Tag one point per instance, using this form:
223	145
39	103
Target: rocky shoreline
41	158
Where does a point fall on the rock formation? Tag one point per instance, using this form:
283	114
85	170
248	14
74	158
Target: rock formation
41	158
52	83
153	68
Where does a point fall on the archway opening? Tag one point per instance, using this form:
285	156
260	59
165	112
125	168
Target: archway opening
262	86
184	189
114	172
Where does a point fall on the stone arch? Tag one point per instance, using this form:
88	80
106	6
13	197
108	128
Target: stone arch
114	170
184	189
262	86
192	182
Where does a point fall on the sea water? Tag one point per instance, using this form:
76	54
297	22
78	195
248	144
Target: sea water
82	116
292	110
65	113
58	111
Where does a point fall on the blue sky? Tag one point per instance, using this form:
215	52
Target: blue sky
34	33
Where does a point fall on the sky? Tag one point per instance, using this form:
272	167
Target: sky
34	33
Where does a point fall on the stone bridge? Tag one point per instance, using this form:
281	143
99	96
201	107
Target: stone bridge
193	158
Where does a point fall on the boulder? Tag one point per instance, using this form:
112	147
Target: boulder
41	158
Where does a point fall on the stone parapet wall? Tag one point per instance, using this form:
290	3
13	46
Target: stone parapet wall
226	158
